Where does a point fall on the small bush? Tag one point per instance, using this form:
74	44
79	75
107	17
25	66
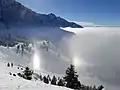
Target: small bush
11	64
14	74
21	68
10	73
19	74
8	65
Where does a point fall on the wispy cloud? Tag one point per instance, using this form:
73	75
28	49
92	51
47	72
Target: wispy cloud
86	24
91	24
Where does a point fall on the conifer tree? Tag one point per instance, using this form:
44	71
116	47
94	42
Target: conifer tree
27	73
40	77
61	82
71	78
94	87
45	80
100	87
54	80
49	77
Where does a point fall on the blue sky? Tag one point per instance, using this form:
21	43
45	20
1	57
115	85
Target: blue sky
103	12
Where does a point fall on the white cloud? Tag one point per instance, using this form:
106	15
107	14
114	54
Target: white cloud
99	47
86	24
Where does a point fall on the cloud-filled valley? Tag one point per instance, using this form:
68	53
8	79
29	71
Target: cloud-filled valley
98	49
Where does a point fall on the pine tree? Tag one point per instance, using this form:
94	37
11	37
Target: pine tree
100	87
71	78
61	82
45	80
94	87
49	77
40	76
27	73
54	80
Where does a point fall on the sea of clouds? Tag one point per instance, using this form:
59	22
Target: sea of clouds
95	51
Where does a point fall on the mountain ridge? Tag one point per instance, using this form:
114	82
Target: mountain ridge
14	13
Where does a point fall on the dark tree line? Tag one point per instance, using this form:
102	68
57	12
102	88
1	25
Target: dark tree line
26	74
70	80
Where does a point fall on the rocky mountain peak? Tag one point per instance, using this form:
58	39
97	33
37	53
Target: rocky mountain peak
15	14
4	3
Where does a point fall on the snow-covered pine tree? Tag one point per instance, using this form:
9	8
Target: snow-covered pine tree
71	78
94	87
40	77
27	73
100	87
61	82
54	80
49	77
45	80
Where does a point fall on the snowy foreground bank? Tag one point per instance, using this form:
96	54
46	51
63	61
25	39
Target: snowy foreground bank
10	82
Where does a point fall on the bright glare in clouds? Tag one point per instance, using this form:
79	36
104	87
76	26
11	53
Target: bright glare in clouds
103	89
36	61
77	62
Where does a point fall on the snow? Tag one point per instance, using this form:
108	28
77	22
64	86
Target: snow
10	82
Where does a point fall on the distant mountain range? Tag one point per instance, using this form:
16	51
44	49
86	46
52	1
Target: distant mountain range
13	13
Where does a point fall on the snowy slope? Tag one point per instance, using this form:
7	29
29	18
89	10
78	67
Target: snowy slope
48	59
10	82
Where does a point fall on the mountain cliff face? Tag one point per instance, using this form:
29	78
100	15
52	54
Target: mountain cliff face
14	13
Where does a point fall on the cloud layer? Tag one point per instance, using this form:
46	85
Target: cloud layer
86	24
98	49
